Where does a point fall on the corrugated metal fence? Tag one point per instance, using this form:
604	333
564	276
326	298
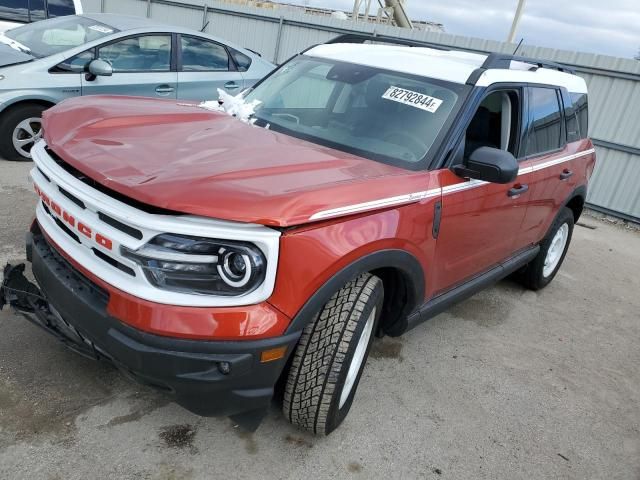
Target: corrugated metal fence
614	83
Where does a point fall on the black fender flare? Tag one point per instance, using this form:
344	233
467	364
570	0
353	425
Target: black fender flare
400	260
580	191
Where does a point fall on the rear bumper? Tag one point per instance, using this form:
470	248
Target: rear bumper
206	377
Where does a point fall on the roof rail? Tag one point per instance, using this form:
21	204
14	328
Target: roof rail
363	37
503	61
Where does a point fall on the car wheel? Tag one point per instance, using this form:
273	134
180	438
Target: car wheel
20	129
541	270
331	355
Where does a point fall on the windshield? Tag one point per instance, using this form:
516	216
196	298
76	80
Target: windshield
56	35
386	116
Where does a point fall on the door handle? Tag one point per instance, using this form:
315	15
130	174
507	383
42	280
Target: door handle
231	85
518	190
566	173
164	89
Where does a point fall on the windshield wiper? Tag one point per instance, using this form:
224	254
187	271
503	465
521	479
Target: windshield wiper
14	44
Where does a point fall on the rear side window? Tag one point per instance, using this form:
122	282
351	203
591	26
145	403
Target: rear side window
60	8
545	117
199	55
581	107
14	10
242	61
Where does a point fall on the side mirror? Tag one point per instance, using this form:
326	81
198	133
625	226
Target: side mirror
489	164
97	68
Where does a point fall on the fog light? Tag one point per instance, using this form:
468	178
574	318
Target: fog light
224	368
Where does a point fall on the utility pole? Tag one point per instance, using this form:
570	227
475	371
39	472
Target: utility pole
516	21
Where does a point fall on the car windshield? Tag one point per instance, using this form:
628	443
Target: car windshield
56	35
386	116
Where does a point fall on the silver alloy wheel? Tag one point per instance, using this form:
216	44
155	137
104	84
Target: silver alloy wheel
26	134
358	357
554	254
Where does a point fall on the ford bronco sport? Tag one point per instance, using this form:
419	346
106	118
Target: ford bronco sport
372	186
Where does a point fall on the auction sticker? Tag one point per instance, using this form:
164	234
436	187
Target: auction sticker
101	29
413	99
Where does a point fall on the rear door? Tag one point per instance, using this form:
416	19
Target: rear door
549	159
142	66
203	67
480	221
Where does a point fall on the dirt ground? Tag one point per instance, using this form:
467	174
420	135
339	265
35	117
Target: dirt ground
510	384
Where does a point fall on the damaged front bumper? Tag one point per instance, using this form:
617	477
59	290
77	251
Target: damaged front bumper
209	378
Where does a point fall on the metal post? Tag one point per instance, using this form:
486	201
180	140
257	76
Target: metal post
516	21
278	39
101	6
148	8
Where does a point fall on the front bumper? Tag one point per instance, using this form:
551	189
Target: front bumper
206	377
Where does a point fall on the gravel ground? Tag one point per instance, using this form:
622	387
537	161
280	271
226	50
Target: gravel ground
509	384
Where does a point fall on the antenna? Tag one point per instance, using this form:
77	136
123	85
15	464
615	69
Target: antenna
518	47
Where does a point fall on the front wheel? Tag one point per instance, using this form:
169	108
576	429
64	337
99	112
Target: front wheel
541	270
331	355
20	129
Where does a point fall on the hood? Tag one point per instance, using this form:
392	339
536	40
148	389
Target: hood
184	158
11	56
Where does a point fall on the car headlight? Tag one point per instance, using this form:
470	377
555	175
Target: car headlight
1	77
200	265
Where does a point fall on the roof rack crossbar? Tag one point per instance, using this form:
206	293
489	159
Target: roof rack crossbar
503	61
363	37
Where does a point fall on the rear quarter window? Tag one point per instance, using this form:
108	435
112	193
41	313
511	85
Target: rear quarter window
581	107
243	62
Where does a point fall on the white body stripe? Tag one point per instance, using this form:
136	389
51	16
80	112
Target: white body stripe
434	192
375	204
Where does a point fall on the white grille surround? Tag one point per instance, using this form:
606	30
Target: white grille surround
49	177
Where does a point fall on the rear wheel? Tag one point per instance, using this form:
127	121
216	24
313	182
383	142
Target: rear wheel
541	270
331	355
20	129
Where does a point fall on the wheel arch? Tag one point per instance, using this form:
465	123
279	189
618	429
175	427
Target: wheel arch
22	101
576	201
403	283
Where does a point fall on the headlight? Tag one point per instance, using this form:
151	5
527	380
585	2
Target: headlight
200	265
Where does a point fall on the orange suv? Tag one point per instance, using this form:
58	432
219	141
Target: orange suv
366	188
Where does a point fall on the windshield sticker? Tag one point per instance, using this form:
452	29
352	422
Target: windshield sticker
413	99
101	29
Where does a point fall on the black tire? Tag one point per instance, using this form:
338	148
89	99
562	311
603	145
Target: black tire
533	276
326	349
8	123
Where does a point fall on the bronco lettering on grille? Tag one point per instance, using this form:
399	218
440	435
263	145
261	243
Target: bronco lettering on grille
70	220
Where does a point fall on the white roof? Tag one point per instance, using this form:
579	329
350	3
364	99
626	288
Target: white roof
453	66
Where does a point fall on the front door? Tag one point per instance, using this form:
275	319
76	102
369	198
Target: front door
141	67
204	66
481	221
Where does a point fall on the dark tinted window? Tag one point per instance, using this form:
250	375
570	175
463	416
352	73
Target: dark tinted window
242	61
545	117
581	107
36	10
147	53
570	119
59	8
14	10
199	55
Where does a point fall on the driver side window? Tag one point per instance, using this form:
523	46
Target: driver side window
496	123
